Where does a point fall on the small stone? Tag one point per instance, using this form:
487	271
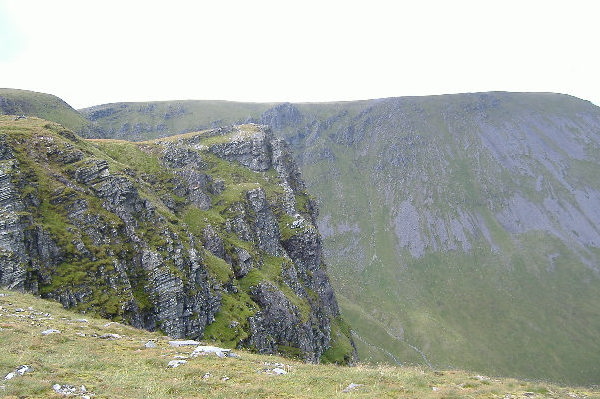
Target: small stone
279	371
206	375
150	344
188	342
351	387
50	331
225	378
110	336
435	389
176	363
220	352
81	320
23	369
66	390
80	334
18	310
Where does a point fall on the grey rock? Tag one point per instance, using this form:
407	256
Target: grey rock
250	148
93	170
176	363
70	390
196	188
280	322
50	331
281	116
178	157
207	349
213	242
243	263
18	372
278	371
110	336
351	387
187	342
150	344
265	223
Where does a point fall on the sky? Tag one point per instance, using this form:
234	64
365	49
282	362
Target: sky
93	52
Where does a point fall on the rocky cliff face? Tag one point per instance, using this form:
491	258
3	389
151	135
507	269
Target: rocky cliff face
209	234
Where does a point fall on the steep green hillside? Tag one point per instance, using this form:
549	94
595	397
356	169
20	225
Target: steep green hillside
45	106
460	230
150	120
90	356
471	223
209	234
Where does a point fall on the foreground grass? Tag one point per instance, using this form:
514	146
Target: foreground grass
125	368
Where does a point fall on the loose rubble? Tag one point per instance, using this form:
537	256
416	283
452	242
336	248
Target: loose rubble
50	331
276	368
70	390
110	336
207	349
351	387
176	363
18	371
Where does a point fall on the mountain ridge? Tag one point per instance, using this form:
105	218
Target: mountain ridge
459	230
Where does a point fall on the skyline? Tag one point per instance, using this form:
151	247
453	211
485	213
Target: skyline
90	53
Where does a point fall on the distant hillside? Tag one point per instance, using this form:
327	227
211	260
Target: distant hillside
45	106
143	121
49	352
460	230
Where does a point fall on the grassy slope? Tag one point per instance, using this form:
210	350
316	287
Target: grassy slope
124	368
45	106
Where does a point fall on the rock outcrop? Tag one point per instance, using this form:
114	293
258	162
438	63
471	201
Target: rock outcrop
209	234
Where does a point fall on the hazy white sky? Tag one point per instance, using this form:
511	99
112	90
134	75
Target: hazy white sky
93	52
